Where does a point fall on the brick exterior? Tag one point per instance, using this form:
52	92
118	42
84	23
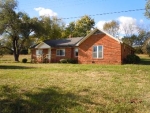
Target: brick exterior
69	54
112	50
39	59
126	50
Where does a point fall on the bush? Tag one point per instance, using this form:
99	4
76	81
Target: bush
45	60
63	61
132	59
24	60
72	61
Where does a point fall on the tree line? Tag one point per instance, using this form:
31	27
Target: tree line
19	31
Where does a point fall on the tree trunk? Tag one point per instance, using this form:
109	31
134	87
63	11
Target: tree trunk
16	50
16	56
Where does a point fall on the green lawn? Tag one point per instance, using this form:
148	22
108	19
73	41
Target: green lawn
74	88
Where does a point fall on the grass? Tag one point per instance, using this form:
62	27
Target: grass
74	88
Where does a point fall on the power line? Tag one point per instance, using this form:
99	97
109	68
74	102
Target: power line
133	10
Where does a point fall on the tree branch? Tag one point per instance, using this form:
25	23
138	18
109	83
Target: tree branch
6	48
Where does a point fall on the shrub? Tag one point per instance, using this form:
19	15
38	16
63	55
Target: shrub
132	59
63	61
72	61
45	60
24	60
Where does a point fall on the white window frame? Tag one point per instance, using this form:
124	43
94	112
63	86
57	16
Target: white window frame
75	52
97	52
59	52
39	51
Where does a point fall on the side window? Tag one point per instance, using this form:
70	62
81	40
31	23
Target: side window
98	51
76	52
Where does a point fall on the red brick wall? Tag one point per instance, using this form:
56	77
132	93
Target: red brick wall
126	50
111	50
69	54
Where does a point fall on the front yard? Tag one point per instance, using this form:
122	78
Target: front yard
74	88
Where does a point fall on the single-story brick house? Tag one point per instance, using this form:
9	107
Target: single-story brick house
97	47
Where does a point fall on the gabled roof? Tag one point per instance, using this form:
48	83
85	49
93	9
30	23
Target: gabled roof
97	31
76	41
42	45
63	42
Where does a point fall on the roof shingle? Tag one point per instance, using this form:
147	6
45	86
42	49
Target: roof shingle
63	42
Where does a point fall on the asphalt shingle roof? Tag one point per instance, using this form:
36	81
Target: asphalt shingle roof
63	42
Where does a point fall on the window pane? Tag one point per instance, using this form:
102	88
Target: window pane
76	52
95	49
99	48
100	52
57	52
62	52
100	55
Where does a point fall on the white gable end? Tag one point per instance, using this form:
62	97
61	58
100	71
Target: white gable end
42	46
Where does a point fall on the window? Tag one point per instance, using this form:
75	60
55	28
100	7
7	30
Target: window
39	52
76	52
97	51
60	52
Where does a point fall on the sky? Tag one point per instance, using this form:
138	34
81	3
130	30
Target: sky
72	10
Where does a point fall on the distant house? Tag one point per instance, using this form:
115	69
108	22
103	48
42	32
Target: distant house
97	47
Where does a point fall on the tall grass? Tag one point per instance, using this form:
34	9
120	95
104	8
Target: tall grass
74	88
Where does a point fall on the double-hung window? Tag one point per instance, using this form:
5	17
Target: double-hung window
98	51
60	52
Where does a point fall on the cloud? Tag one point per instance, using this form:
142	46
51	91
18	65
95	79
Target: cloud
127	20
100	24
127	23
45	12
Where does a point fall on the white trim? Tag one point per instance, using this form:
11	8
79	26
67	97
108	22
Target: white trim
92	32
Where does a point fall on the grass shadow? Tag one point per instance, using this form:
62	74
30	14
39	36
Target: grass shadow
145	61
14	67
50	100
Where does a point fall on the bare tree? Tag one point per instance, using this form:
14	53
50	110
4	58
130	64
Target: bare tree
112	28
